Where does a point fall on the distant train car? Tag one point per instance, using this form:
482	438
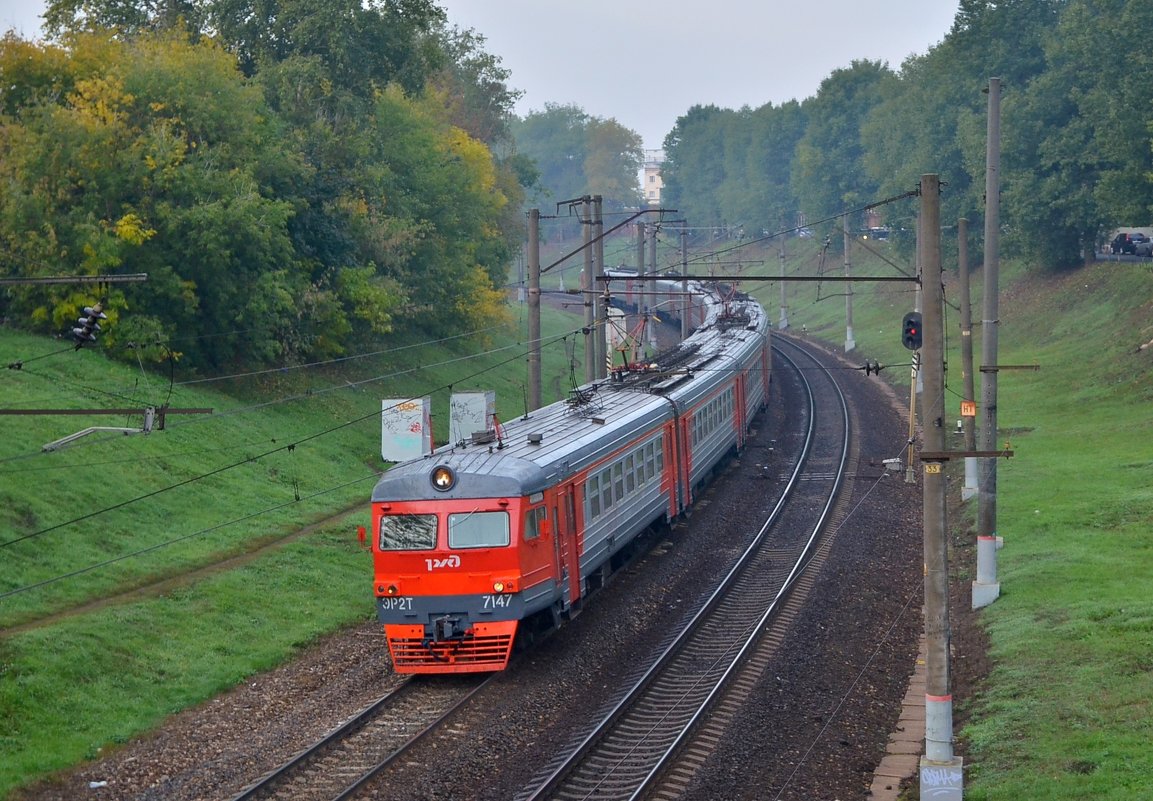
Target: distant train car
513	528
669	298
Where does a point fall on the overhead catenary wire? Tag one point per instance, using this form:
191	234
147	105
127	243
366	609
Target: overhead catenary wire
88	515
311	392
290	446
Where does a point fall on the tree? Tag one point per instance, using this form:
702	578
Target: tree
473	86
153	149
613	157
774	134
361	45
829	173
694	168
126	16
577	154
440	188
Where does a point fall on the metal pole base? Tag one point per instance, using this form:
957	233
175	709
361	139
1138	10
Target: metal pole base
986	588
970	489
942	781
985	594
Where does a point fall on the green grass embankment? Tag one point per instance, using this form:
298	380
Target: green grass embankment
1066	713
115	610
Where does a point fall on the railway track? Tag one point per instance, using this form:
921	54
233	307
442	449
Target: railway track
338	765
661	727
636	749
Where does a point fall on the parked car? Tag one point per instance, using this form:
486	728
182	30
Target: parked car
1122	243
1144	247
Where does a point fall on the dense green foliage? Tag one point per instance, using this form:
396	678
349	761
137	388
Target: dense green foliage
295	179
578	155
1077	133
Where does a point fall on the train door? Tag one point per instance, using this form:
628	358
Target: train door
684	446
741	407
766	373
567	555
674	461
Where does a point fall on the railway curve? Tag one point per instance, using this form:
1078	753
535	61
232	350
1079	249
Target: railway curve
793	732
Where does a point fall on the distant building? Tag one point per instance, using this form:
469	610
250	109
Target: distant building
651	178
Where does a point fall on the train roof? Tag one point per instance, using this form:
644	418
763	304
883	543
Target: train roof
535	451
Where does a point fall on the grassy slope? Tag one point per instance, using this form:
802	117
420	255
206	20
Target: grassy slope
1064	716
77	674
1066	713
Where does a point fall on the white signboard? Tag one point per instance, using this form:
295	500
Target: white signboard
405	428
470	412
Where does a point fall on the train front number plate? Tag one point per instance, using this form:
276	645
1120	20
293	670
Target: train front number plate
403	603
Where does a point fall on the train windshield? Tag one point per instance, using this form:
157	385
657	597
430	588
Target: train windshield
407	532
478	530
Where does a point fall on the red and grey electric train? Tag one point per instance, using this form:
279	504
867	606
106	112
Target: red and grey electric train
516	527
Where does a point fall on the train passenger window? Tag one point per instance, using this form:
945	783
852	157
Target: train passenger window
630	473
618	481
407	532
532	522
478	530
593	493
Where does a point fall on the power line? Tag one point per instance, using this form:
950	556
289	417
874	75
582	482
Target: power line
88	515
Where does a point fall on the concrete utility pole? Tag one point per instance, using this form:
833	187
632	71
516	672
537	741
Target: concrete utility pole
941	773
587	289
986	588
850	343
650	328
534	379
783	322
686	301
968	420
599	300
642	286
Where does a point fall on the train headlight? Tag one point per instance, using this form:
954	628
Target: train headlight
498	586
443	478
391	589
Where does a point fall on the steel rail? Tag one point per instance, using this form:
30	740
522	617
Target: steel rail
601	765
373	748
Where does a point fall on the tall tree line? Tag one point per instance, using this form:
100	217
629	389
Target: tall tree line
577	154
297	178
1077	132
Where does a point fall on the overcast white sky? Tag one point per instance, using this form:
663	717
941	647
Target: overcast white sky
645	64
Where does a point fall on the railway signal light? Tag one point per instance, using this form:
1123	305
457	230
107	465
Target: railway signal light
911	331
89	325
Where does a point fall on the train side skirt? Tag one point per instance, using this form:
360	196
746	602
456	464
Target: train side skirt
484	647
